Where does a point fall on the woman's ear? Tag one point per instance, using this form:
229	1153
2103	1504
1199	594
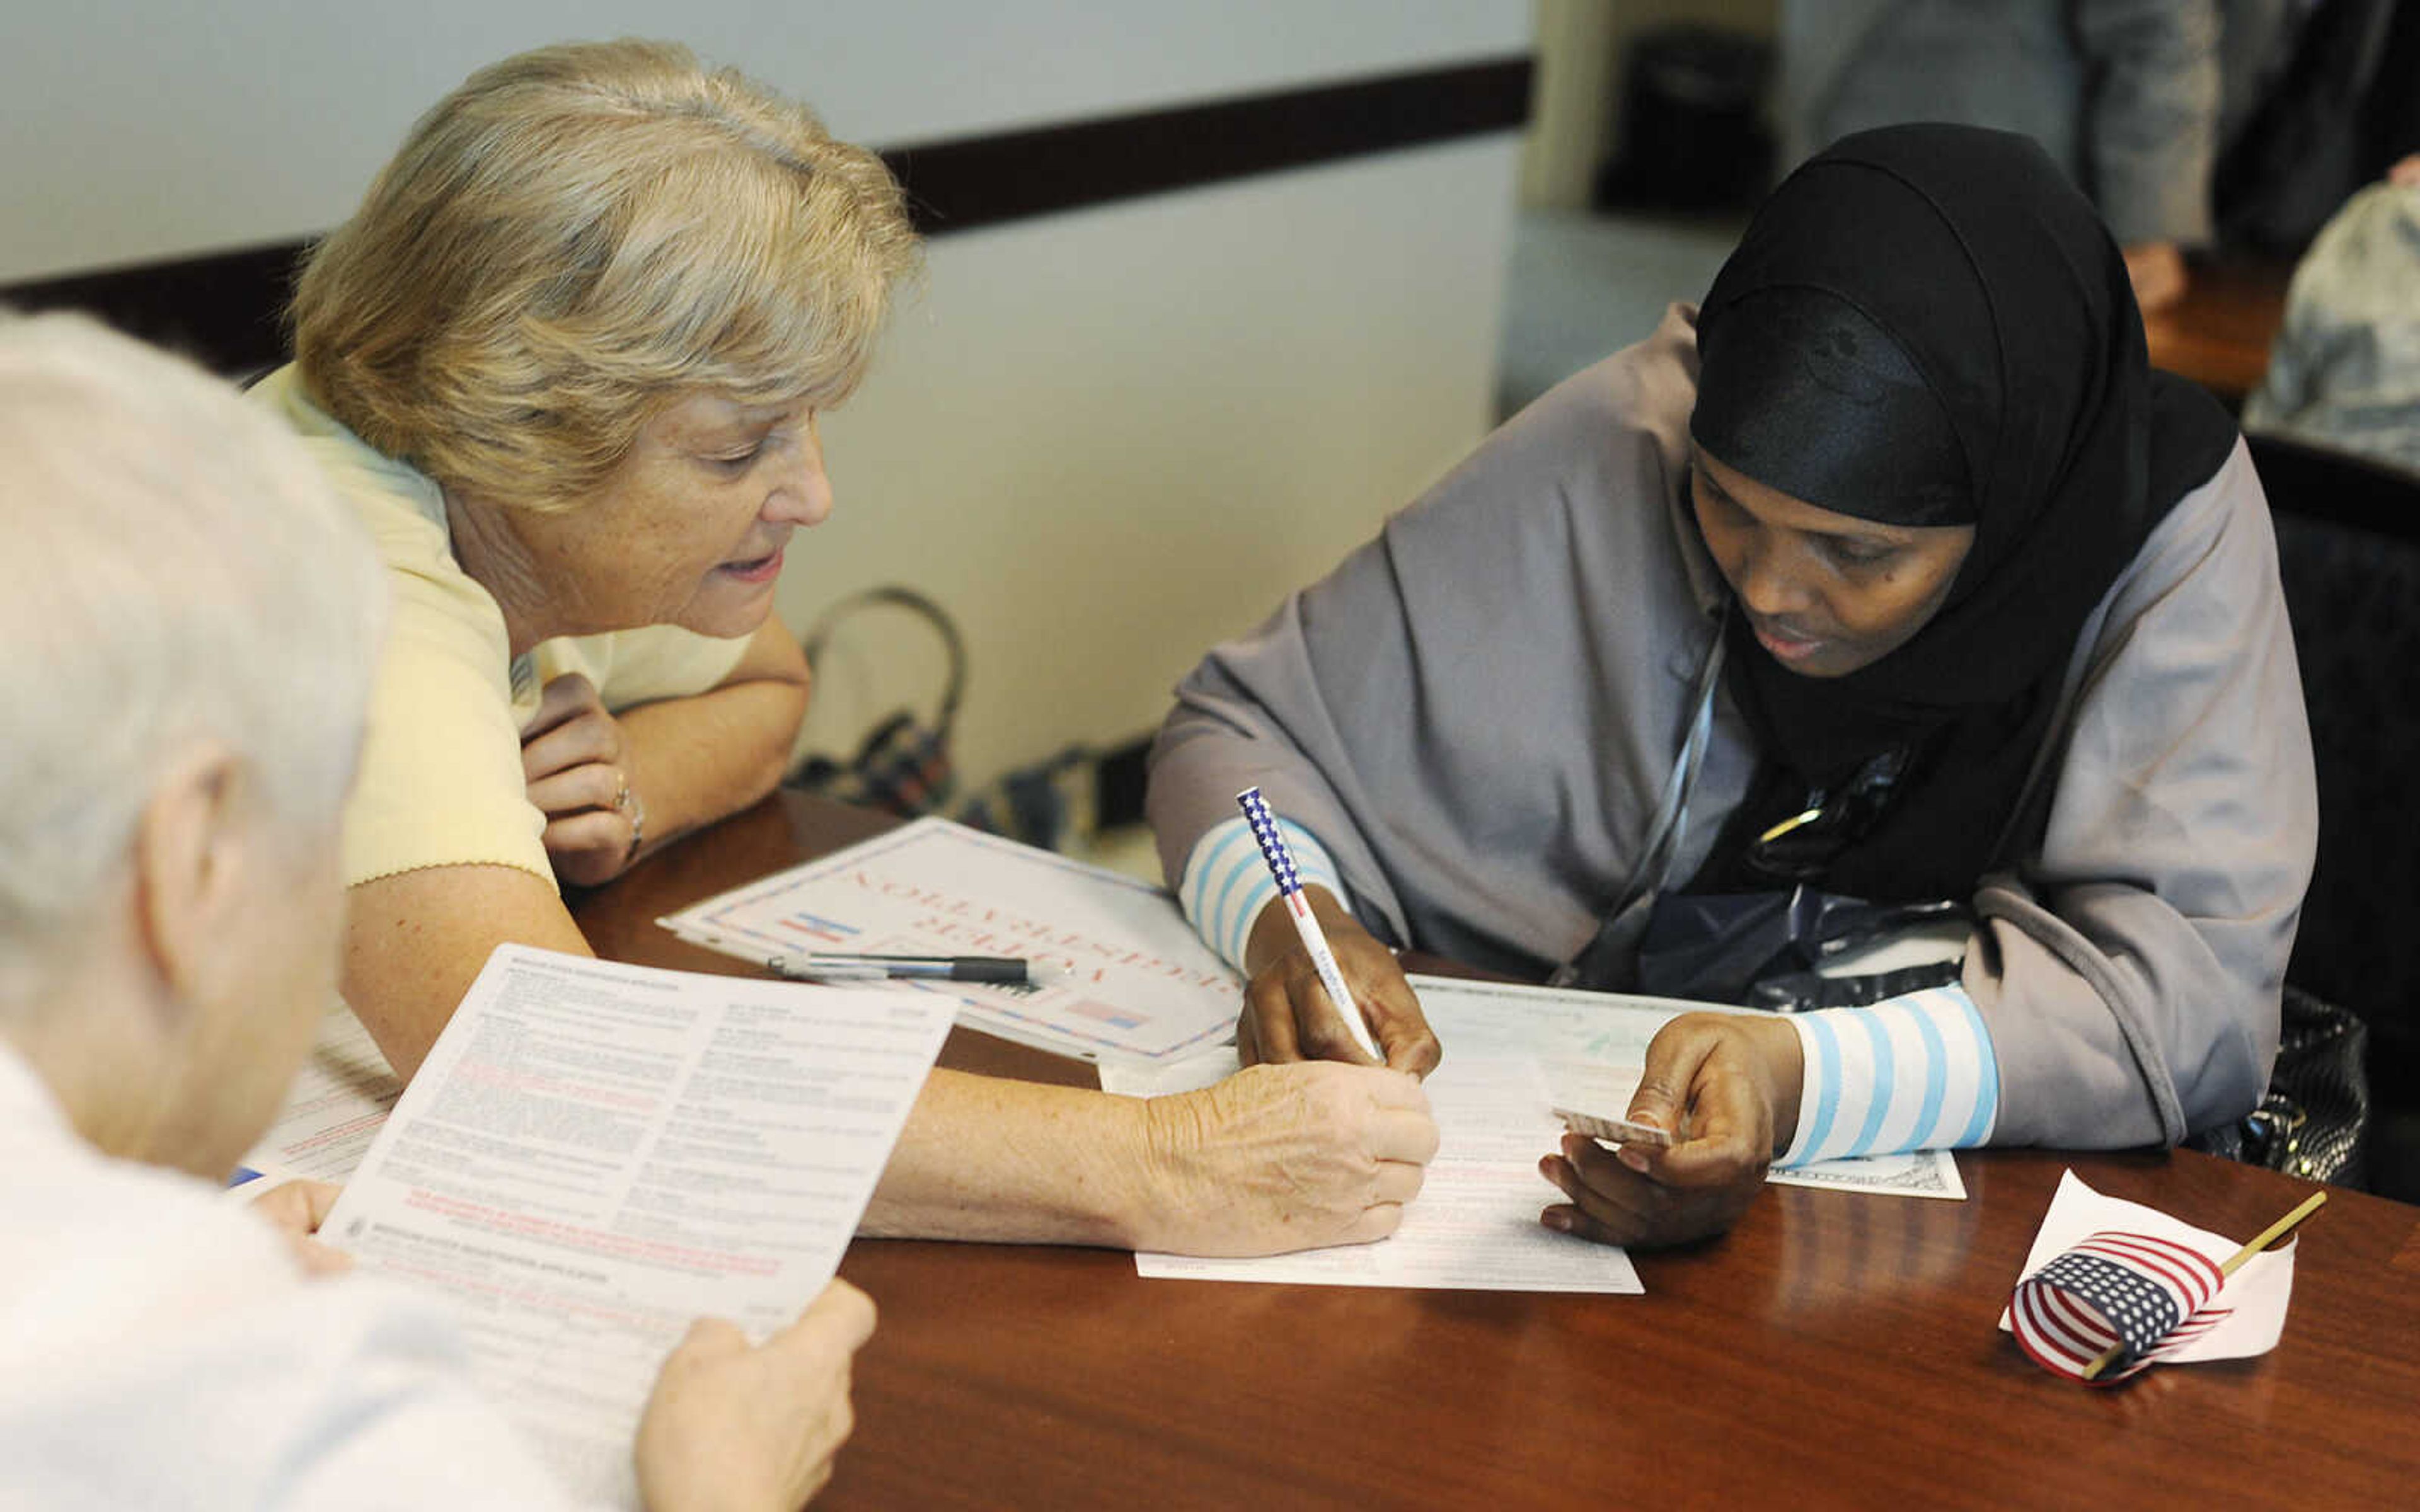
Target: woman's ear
188	860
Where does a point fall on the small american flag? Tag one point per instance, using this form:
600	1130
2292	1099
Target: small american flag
2136	1294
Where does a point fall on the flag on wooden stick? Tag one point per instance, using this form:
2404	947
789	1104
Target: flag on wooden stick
2119	1301
2136	1293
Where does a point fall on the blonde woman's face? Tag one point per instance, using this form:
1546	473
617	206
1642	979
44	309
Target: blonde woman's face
689	529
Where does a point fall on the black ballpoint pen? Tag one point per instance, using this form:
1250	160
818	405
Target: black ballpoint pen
995	970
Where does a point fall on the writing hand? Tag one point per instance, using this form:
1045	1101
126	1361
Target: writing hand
1727	1087
1279	1158
1287	1015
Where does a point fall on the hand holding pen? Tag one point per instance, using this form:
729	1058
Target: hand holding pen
1290	1013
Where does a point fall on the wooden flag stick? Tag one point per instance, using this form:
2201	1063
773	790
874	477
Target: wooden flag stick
2274	1232
2267	1236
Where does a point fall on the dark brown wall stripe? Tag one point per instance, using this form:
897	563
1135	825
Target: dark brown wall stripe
957	186
223	308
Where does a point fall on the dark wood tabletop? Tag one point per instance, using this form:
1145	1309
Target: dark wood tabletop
2219	333
1832	1349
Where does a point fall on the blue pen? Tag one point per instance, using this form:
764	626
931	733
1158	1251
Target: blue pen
1314	941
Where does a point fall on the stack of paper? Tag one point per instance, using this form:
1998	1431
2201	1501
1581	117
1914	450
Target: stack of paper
1137	984
1513	1054
595	1154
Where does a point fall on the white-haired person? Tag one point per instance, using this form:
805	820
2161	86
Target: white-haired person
193	621
566	362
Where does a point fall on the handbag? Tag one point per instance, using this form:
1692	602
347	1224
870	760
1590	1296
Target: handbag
2314	1120
1766	949
1761	949
903	766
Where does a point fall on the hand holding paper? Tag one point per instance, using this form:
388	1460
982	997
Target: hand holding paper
296	1210
594	1155
1721	1083
734	1423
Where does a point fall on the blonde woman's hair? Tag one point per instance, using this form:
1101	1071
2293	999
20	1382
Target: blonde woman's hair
573	238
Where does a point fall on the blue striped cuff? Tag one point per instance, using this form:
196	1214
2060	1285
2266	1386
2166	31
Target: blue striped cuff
1914	1072
1227	882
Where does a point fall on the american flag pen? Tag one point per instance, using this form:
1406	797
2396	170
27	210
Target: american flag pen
1314	942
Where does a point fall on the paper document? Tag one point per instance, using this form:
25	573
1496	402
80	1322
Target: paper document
1920	1173
1512	1055
1474	1227
335	1108
1139	982
595	1154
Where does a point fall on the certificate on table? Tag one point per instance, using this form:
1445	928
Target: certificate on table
1138	982
595	1154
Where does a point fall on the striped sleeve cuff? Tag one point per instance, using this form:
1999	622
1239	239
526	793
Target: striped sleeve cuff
1913	1072
1227	883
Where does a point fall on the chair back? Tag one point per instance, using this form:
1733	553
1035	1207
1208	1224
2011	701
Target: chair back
2349	554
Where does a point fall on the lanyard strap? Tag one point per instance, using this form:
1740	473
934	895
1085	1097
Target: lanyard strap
1611	956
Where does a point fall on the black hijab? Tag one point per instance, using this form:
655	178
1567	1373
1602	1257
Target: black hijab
1929	325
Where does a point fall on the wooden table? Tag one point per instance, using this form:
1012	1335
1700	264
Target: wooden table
1832	1349
2219	333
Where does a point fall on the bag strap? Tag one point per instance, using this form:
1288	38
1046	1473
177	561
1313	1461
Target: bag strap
896	595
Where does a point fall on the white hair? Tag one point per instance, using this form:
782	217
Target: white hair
176	570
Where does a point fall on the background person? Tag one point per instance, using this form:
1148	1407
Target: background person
566	363
193	623
1894	574
2134	98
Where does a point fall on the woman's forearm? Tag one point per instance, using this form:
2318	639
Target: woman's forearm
693	759
416	941
984	1158
1273	1159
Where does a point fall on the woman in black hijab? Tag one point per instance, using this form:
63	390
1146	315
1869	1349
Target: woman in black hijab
1961	666
1925	329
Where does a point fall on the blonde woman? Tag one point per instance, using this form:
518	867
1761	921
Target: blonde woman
566	362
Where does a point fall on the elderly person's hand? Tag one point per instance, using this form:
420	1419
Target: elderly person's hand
297	1209
1287	1015
1279	1158
735	1426
578	768
1727	1087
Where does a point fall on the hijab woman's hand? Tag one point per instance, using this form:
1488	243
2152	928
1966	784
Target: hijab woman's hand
1727	1087
1287	1015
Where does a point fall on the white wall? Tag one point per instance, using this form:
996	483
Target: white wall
136	130
1104	438
1108	440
